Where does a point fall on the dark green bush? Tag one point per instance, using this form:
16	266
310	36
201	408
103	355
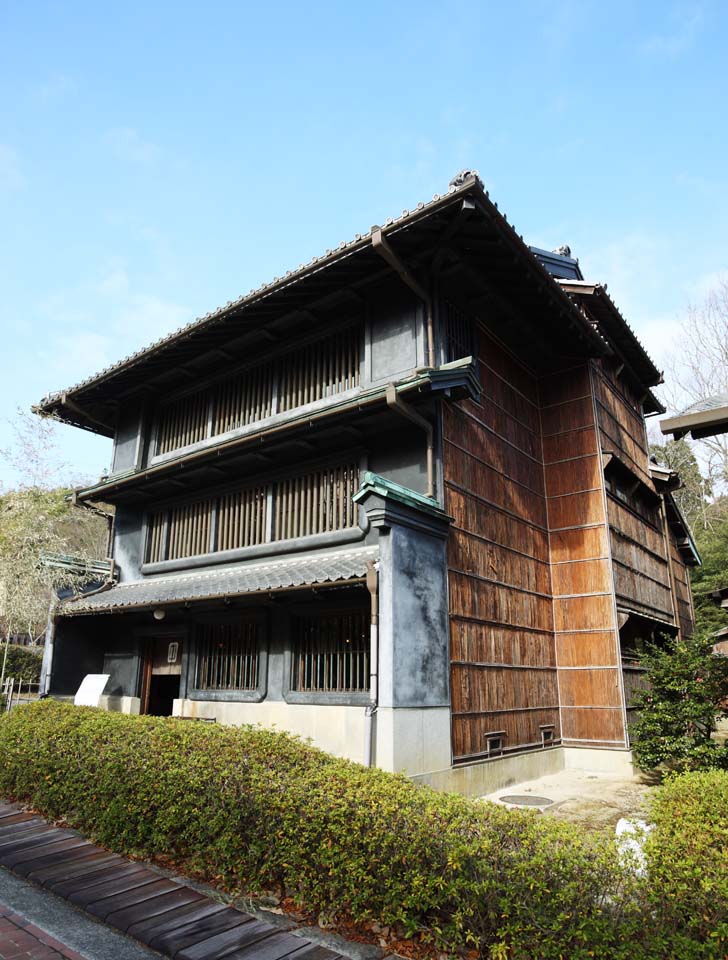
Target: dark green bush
687	861
677	713
23	663
255	810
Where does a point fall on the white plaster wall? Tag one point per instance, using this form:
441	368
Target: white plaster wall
411	741
617	762
340	730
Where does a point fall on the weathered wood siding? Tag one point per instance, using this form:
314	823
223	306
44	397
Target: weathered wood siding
683	594
547	555
587	645
639	554
503	668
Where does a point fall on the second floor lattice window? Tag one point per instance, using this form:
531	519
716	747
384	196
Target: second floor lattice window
315	502
316	371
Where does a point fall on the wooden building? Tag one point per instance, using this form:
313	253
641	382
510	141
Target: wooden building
398	500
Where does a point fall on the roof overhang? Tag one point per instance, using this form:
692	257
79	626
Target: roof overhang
703	423
596	302
333	568
463	221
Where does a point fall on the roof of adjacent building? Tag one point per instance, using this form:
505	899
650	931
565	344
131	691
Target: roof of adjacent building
90	403
706	418
228	581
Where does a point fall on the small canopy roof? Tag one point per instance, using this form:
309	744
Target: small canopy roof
706	418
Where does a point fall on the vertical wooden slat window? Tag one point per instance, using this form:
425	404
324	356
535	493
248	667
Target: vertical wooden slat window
317	502
459	332
182	422
241	518
189	529
227	656
243	399
331	653
156	540
320	369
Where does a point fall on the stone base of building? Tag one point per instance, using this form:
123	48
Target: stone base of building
487	776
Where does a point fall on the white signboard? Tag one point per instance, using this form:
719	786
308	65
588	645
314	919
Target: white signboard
92	686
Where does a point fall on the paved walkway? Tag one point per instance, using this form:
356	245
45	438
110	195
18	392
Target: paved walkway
164	913
22	940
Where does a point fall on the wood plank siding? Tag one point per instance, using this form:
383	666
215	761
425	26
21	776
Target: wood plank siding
637	534
558	537
503	667
587	644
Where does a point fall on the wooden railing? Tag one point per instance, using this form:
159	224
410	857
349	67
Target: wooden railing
317	370
316	502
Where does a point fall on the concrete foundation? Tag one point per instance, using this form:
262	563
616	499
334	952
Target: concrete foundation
131	705
410	741
477	779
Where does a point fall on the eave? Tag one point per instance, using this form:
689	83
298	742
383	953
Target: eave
594	298
417	235
704	423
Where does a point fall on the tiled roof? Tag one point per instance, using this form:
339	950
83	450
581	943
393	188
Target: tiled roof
228	581
457	185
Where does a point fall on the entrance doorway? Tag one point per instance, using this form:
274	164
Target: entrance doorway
162	674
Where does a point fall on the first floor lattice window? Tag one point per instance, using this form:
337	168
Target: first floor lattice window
227	655
331	652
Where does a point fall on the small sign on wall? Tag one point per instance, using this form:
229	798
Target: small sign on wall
172	652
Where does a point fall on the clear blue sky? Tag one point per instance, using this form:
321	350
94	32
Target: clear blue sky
158	159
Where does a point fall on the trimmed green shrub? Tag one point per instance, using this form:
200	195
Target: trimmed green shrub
687	862
23	663
253	810
688	685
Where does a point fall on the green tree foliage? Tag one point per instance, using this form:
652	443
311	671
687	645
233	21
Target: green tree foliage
35	521
688	684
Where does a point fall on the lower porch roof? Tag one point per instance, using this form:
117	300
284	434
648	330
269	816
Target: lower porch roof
229	581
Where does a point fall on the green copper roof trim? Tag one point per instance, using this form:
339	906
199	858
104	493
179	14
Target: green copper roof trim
374	483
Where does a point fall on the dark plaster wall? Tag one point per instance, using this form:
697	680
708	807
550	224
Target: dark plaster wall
125	443
414	591
128	545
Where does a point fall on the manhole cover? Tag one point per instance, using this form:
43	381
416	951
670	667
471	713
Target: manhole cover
523	800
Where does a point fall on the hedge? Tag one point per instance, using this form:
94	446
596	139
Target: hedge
252	811
23	663
687	858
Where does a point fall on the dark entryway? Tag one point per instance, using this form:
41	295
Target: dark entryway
163	689
162	673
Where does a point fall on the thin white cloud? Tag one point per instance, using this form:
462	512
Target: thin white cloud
11	174
130	146
54	88
103	320
687	23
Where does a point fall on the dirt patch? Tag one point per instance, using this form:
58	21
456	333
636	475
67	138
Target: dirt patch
595	801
